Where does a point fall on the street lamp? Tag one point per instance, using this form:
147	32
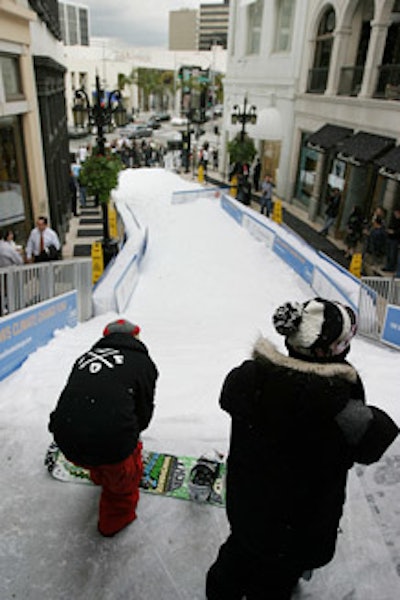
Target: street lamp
244	117
100	114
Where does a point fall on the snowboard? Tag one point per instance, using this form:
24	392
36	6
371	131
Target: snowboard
163	474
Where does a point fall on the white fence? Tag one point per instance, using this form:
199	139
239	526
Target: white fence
378	295
26	285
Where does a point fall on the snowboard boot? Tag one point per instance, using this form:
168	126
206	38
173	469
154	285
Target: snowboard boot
202	478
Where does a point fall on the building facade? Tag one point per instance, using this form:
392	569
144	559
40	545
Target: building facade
325	79
213	25
74	24
265	42
346	124
23	190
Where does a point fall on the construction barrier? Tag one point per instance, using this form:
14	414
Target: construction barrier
97	261
277	212
112	221
200	174
234	186
356	265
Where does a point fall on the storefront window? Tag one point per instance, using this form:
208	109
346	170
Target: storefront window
9	66
306	174
13	190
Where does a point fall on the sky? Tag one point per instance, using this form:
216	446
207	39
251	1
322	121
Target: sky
136	22
207	290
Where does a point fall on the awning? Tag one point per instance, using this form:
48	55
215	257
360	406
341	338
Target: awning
328	137
364	147
389	163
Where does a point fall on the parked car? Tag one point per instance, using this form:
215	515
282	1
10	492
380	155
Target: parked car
162	116
218	110
179	121
154	122
136	130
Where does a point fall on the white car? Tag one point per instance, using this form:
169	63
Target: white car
179	121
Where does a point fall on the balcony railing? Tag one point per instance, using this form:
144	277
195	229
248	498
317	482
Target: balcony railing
317	79
350	80
388	82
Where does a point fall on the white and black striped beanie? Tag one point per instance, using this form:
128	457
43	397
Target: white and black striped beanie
317	327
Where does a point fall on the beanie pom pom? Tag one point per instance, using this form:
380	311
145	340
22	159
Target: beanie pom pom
287	318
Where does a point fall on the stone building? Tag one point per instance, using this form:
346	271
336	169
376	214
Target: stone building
325	78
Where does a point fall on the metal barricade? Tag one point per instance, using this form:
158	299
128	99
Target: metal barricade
26	285
375	295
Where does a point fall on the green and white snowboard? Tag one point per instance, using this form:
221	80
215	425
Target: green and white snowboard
163	474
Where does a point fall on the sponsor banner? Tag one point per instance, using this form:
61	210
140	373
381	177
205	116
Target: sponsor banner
391	328
126	284
294	259
233	210
23	332
258	230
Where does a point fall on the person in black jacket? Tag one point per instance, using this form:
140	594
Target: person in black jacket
107	401
299	422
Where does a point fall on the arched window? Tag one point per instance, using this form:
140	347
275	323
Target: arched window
318	75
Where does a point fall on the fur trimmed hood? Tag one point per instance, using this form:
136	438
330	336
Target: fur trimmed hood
264	350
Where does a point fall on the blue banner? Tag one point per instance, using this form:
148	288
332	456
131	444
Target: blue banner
391	328
294	259
231	209
23	332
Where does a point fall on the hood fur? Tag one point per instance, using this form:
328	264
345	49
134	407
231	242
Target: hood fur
265	350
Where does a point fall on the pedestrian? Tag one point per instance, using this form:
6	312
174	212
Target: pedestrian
375	236
331	211
355	224
205	158
299	422
256	175
43	243
9	254
393	240
266	196
107	401
73	193
215	159
244	190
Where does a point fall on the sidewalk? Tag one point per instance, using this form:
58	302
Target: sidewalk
84	229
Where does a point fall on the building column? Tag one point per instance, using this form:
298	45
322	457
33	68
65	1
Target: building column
338	59
376	49
389	199
316	194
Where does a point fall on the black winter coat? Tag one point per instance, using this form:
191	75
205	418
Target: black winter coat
107	401
297	428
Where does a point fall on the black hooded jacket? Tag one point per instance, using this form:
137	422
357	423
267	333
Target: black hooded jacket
107	401
297	428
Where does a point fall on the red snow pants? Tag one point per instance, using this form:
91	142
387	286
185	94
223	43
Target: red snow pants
120	493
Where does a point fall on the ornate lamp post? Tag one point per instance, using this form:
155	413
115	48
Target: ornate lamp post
244	117
100	114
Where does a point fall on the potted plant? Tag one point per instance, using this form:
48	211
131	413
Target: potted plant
241	149
99	174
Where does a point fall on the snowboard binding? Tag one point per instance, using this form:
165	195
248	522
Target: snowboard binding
202	478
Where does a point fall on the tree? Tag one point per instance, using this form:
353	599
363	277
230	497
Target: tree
241	151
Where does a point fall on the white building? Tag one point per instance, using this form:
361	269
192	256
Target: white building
265	42
325	78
